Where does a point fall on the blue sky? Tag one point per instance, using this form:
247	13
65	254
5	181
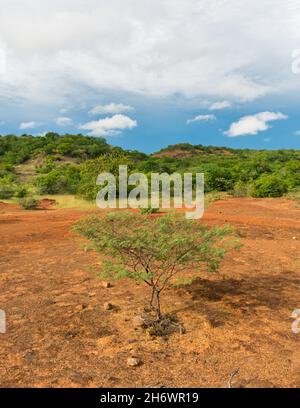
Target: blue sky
147	74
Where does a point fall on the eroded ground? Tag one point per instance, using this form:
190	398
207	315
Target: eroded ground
59	335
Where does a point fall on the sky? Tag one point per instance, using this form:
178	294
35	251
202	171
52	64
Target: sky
146	74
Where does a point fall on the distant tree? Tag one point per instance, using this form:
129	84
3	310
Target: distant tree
154	250
62	180
90	170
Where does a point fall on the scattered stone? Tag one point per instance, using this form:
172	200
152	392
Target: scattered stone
105	285
294	237
132	341
30	357
134	362
138	321
108	306
79	308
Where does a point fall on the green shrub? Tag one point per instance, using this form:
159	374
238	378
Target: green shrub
155	250
241	189
217	178
29	203
90	170
21	191
6	192
62	180
269	186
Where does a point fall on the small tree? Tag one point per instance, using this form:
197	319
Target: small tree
154	250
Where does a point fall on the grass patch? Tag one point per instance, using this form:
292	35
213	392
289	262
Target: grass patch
65	201
69	201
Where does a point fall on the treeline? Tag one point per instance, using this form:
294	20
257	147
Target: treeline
70	164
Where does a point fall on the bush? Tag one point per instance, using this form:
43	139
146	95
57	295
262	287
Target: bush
269	186
148	211
217	178
6	192
62	180
241	189
29	203
154	250
90	170
21	192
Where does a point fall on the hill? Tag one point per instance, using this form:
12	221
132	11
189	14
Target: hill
184	150
54	164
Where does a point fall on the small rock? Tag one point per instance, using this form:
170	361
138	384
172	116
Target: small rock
132	341
138	321
30	357
79	308
134	362
294	237
108	306
105	285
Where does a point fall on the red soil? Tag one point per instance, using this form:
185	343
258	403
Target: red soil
59	335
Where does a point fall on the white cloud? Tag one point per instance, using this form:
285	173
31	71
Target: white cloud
109	126
112	108
60	50
63	110
28	125
252	124
297	133
63	121
202	118
220	105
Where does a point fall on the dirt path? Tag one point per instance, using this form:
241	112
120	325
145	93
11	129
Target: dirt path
58	333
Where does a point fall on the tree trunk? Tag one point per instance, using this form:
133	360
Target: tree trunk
152	298
157	297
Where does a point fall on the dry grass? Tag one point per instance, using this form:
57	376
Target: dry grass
65	201
68	201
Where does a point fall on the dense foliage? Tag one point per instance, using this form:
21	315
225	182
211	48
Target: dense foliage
53	164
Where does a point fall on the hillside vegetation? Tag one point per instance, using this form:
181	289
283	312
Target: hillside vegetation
69	164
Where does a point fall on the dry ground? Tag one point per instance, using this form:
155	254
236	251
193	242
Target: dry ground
58	333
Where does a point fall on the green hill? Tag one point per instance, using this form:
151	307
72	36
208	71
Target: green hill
54	164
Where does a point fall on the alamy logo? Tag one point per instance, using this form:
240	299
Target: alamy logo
296	322
155	191
2	322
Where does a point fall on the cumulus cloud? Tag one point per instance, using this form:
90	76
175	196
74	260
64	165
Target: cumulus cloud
110	126
252	124
111	108
220	105
202	118
64	121
28	125
231	50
